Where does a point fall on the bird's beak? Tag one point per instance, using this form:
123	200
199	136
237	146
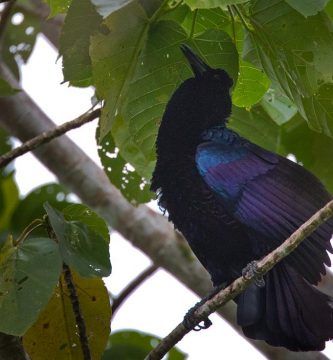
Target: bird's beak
198	66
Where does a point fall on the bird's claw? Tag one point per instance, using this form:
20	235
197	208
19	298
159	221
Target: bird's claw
251	270
190	322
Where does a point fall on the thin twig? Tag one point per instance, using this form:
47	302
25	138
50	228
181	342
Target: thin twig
5	16
47	136
232	23
77	313
131	287
264	265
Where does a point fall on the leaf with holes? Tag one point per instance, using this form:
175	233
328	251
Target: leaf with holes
55	331
25	285
20	37
121	174
81	247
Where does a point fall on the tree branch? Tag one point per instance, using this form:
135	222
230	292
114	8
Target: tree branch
47	136
240	284
146	230
117	301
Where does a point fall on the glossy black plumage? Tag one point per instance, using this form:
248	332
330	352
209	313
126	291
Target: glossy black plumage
235	202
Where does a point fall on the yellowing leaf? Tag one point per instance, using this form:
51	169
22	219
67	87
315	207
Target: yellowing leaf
55	334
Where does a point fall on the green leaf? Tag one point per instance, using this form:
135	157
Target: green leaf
278	106
312	149
308	7
81	247
114	55
6	89
144	65
135	345
28	275
296	53
256	126
121	174
208	4
79	212
58	6
251	85
55	333
31	206
75	41
10	196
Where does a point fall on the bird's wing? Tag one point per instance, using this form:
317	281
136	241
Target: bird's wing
271	196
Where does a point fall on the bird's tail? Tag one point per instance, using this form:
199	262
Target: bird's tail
287	312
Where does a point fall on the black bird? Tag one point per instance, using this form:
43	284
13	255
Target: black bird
235	202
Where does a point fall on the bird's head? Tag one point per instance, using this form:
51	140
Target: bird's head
204	74
200	102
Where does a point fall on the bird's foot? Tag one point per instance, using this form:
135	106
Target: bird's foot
189	319
250	270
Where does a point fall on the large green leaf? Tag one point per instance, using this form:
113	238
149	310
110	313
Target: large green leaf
55	333
308	7
135	345
81	246
278	106
31	206
256	126
28	275
143	65
312	149
75	41
296	53
208	4
252	82
80	212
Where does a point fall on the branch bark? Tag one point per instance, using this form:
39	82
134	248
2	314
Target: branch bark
240	284
146	230
47	136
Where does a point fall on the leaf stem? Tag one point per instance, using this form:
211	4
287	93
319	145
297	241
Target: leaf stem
195	13
28	230
77	312
241	17
232	23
